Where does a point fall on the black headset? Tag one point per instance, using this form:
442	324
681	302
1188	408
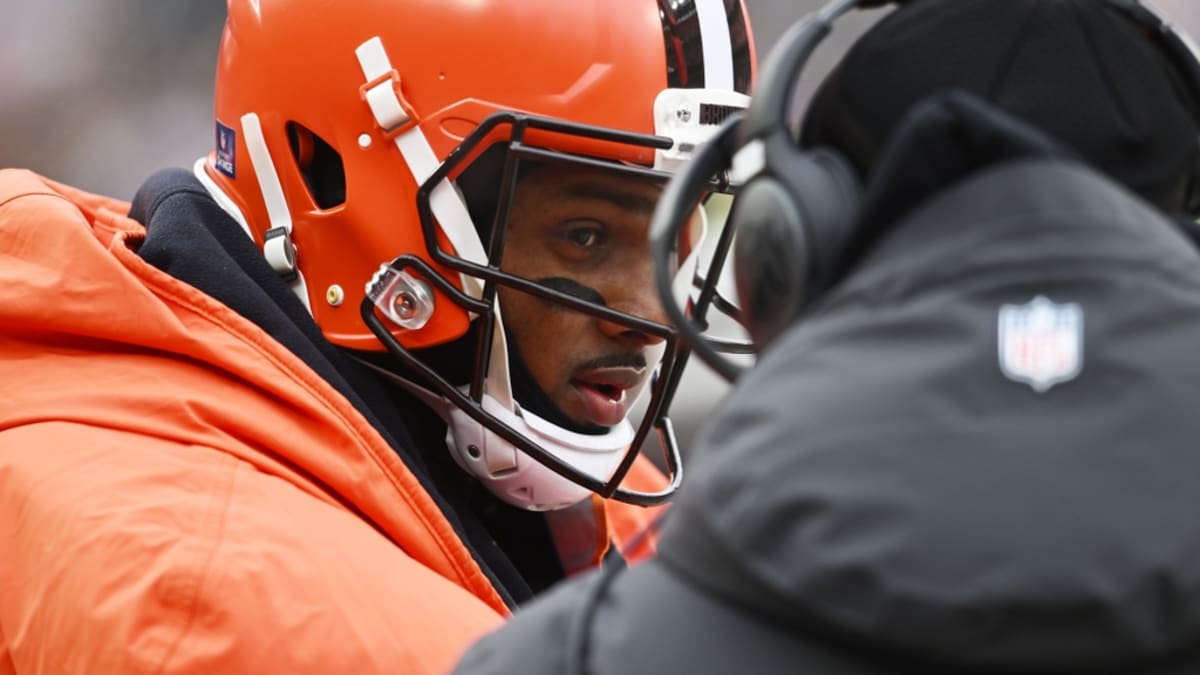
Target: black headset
796	209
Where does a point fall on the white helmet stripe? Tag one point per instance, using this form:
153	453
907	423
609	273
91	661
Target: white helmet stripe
716	44
264	169
278	213
447	204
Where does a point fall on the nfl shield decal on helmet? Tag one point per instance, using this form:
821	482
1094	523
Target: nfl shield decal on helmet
1041	342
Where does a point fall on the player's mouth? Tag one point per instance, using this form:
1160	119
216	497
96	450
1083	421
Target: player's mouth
602	392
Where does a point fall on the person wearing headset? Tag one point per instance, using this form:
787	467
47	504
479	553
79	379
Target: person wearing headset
348	391
967	443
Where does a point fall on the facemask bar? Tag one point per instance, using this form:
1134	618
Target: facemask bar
709	296
692	320
766	115
493	278
670	216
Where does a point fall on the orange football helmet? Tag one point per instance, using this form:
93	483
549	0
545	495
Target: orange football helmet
344	128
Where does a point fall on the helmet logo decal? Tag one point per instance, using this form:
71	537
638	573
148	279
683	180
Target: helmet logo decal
690	117
1041	342
712	114
226	143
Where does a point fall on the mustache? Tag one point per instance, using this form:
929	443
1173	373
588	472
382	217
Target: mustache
636	361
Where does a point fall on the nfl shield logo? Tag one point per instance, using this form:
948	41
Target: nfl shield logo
226	145
1041	342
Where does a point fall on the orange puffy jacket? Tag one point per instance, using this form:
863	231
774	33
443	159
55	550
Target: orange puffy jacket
179	493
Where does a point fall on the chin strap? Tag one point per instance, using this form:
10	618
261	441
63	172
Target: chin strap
293	278
507	472
439	405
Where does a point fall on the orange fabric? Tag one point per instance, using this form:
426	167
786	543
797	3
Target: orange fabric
181	494
628	523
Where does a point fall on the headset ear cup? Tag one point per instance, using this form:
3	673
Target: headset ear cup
829	193
769	256
794	223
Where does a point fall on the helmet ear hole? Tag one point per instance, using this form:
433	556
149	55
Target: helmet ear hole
320	165
301	141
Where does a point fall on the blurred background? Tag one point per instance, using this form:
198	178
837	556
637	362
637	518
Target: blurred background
101	93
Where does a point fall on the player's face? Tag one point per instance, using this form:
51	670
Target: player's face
582	231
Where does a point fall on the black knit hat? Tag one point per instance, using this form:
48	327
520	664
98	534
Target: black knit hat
1078	69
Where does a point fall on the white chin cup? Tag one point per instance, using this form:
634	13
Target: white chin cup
520	479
